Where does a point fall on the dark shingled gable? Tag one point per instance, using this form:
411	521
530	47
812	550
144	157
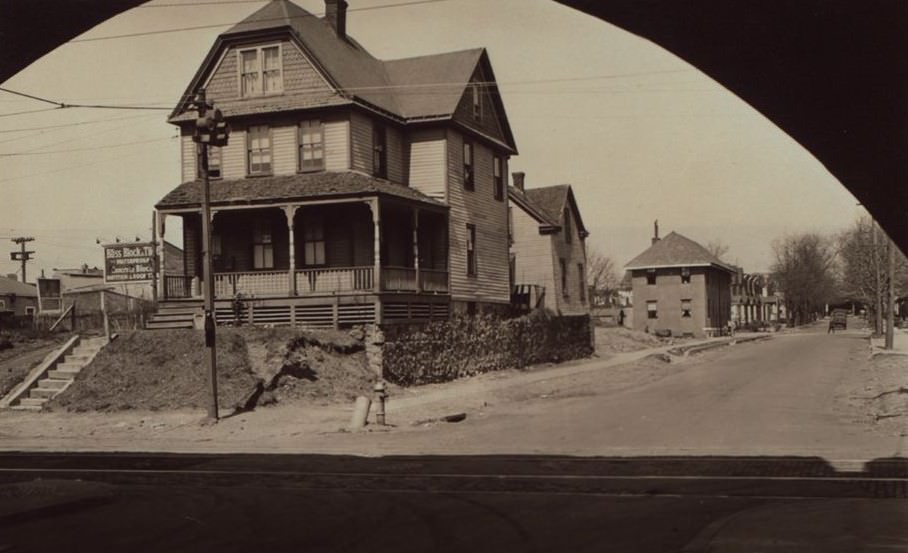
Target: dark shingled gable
676	250
552	200
267	190
535	211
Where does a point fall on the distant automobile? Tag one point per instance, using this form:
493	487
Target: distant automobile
838	319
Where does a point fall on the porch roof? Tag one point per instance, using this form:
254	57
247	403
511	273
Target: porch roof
290	188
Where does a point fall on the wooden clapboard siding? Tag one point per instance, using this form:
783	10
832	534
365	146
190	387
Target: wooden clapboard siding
283	148
361	142
574	253
337	144
187	155
533	255
397	155
428	165
233	156
478	207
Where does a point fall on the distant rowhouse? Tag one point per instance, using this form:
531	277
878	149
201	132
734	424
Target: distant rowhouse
679	286
17	298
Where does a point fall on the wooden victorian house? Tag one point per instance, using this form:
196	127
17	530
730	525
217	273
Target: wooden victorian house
353	190
548	249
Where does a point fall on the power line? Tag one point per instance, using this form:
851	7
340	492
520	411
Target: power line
74	124
25	112
216	25
62	105
71	150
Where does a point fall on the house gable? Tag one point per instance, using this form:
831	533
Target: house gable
480	108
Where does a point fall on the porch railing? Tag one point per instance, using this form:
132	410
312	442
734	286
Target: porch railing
329	279
398	278
177	286
259	283
433	280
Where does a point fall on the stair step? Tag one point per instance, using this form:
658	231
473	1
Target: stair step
26	407
40	392
67	366
67	374
32	402
151	325
53	383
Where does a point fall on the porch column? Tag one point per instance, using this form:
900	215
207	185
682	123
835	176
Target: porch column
416	247
376	254
290	212
159	238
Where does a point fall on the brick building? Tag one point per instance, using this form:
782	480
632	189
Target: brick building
679	286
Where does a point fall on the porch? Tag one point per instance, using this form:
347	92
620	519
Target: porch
318	249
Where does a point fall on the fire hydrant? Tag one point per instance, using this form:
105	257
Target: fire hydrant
381	395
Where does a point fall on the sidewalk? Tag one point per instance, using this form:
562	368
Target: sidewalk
899	344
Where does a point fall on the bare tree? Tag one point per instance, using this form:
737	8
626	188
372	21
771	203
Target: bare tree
804	271
602	275
863	268
717	248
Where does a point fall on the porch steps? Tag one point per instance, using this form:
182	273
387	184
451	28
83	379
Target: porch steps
177	314
56	380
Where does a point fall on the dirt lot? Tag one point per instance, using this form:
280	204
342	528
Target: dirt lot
882	402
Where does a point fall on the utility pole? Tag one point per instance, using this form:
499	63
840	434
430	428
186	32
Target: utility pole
878	307
211	130
22	255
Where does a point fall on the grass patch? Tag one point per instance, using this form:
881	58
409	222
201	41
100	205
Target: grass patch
620	339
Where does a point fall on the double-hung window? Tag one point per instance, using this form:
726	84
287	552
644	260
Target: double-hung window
471	250
685	308
312	145
564	277
379	152
568	228
314	242
497	178
685	275
477	102
262	245
258	150
468	166
651	276
581	282
651	311
260	71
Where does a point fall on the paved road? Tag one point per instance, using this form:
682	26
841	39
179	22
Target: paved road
778	397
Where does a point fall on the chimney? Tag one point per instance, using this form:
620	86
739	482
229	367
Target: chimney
655	231
336	14
517	177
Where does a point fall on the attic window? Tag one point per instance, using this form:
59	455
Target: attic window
260	71
568	230
477	102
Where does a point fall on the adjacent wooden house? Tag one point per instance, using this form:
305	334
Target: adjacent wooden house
548	249
17	298
681	287
353	190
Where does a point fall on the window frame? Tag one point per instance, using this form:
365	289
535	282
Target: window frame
379	151
472	268
498	178
688	312
568	226
313	147
685	275
314	234
477	102
651	273
260	69
262	241
469	171
270	150
562	263
582	282
654	312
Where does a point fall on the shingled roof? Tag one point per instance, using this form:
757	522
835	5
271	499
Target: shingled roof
268	190
10	286
418	88
547	203
676	250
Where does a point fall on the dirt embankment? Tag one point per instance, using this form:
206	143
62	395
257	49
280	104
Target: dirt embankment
166	370
20	351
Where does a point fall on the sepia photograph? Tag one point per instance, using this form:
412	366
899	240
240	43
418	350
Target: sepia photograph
454	275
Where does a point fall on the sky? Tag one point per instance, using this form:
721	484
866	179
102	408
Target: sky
639	134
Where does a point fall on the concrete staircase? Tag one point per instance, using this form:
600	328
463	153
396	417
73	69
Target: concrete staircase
60	375
174	314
